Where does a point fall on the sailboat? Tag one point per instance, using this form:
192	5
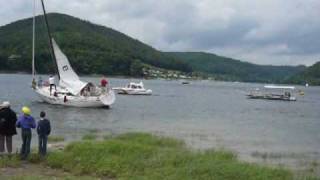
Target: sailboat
70	91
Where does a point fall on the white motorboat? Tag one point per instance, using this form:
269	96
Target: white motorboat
70	90
133	89
271	92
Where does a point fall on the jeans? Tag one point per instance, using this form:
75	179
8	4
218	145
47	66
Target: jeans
43	144
26	142
5	140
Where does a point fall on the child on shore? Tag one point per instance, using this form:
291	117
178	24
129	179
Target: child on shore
26	122
43	130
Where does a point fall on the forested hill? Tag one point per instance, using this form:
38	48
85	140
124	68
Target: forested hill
234	70
311	76
95	49
90	48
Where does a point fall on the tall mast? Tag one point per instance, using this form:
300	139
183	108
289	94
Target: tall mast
33	37
50	39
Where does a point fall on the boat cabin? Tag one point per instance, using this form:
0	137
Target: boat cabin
272	92
135	86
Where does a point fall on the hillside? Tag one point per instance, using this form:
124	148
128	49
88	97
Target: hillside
90	48
95	49
311	76
224	68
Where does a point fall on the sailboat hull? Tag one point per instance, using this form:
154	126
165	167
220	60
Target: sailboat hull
105	100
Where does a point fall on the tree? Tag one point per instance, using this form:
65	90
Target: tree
136	68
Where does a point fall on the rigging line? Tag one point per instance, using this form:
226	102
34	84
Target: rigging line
50	39
33	41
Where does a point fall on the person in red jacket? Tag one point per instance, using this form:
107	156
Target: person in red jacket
104	82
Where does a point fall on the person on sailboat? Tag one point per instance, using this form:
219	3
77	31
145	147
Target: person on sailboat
52	83
104	84
40	82
8	120
26	122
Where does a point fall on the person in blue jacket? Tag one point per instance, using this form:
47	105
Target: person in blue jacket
26	122
43	130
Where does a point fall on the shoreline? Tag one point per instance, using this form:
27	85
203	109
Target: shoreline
151	78
96	138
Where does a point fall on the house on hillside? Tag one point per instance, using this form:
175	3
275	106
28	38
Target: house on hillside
14	57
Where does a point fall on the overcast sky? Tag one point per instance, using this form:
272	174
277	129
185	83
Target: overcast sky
279	32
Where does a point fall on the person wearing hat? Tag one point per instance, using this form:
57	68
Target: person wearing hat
26	122
8	120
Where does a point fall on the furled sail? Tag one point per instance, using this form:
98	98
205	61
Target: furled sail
68	78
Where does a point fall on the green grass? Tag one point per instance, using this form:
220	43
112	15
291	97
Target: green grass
144	156
93	131
12	161
40	177
54	139
90	136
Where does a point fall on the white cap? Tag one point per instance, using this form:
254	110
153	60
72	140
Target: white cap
5	104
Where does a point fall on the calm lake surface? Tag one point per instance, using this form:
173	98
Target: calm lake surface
206	114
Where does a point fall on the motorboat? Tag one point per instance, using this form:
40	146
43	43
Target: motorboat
133	89
70	90
271	92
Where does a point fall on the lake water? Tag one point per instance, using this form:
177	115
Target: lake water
206	114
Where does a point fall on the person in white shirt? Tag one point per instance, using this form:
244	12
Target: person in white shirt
52	83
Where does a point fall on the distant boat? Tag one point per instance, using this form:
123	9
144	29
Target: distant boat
70	91
133	89
271	92
301	93
185	82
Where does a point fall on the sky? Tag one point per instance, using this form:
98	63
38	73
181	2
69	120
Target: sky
277	32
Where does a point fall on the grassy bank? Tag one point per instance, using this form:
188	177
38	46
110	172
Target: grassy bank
144	156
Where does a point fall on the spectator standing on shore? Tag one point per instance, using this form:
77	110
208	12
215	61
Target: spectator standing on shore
26	122
8	119
43	130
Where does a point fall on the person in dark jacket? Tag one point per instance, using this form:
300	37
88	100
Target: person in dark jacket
8	120
43	130
26	122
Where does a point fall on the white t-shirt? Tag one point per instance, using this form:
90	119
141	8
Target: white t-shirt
51	80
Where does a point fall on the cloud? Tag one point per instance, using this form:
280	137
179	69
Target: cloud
264	32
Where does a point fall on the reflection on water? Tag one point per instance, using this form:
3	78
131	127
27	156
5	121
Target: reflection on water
206	114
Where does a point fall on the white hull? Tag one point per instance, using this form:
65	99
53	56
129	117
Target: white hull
104	100
271	97
129	91
133	89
